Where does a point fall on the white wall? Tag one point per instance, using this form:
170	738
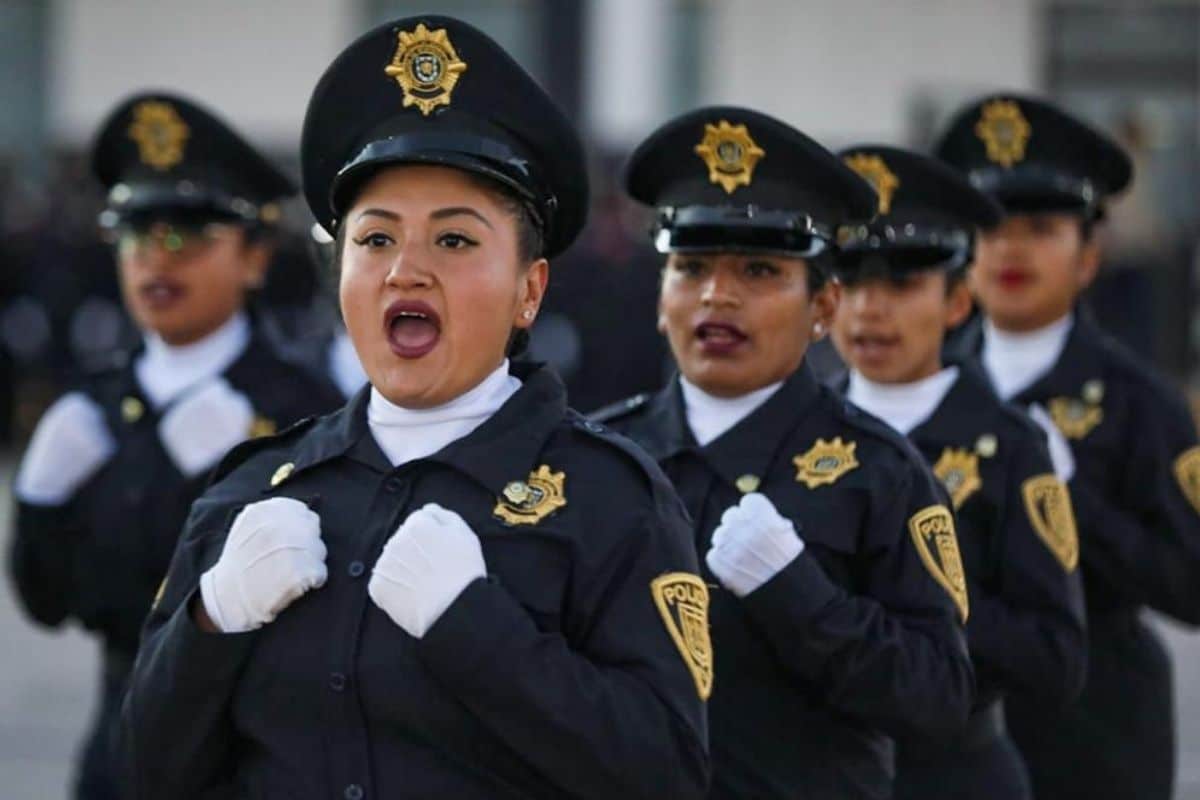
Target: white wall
256	61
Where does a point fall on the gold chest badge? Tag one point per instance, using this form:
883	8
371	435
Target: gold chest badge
874	170
160	134
1048	505
1075	417
530	501
682	600
825	462
1187	474
427	67
730	155
933	534
958	470
1004	131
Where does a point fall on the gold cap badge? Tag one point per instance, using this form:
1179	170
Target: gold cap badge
1073	417
530	501
730	154
1048	505
874	171
1187	473
427	68
958	470
682	600
1004	131
933	534
825	462
160	134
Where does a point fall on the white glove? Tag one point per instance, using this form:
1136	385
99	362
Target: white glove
273	555
205	425
752	544
71	442
424	567
1060	452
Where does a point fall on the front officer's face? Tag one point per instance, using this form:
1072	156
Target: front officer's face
1031	268
183	282
432	283
739	322
891	329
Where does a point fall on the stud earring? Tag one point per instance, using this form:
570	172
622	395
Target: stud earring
527	314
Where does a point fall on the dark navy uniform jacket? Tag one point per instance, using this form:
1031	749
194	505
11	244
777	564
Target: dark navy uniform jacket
100	557
1028	629
554	677
852	640
1136	489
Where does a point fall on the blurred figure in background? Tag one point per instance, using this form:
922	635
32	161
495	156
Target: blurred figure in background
113	466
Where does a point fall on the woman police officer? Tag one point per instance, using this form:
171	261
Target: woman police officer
903	285
454	586
114	464
838	616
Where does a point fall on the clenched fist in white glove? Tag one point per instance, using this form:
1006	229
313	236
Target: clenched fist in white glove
1060	452
752	544
205	425
424	567
273	555
71	442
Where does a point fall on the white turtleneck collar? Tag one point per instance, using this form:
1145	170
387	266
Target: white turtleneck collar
165	371
1015	360
904	406
406	434
709	416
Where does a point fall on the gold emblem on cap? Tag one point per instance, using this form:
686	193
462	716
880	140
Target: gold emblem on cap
874	170
1074	417
282	473
825	462
1004	131
730	154
986	445
530	501
132	409
427	68
1187	473
933	534
682	600
958	470
1048	505
160	134
747	483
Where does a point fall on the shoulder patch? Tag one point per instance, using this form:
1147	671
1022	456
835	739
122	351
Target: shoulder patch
1048	505
620	409
933	534
1187	473
682	600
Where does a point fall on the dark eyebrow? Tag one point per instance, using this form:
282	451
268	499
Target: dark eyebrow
442	213
378	212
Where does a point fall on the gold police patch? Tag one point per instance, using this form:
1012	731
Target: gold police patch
958	470
933	534
874	170
1187	473
160	134
427	68
1048	505
682	600
530	501
1074	417
825	462
730	155
1004	131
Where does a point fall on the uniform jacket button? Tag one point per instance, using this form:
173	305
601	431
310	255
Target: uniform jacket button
393	485
356	569
353	792
337	681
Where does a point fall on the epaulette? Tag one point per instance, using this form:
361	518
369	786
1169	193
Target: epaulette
620	409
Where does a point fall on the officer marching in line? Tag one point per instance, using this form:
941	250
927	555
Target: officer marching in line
104	488
904	284
454	586
1136	484
838	614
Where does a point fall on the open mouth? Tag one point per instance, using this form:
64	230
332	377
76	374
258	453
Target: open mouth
1013	277
413	328
720	338
872	347
160	294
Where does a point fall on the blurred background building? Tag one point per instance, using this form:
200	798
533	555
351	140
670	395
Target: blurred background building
842	70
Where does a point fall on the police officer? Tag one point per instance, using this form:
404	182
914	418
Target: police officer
903	278
114	464
454	586
1136	485
841	593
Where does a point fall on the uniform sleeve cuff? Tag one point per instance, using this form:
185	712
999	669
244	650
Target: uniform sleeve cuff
797	591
